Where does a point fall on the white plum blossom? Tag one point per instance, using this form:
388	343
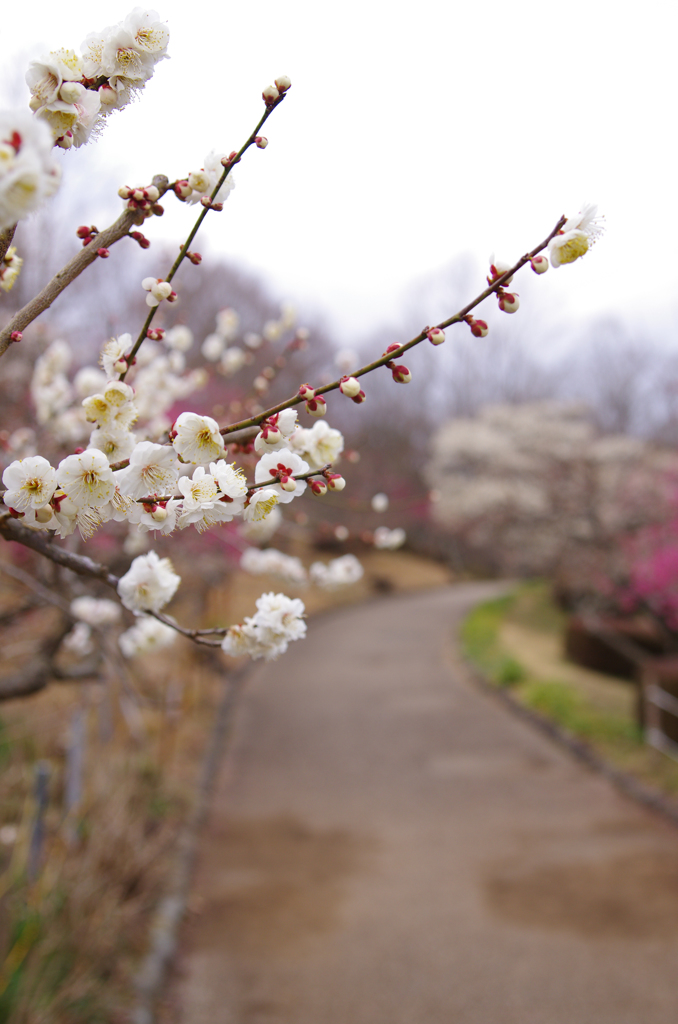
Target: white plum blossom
261	504
204	181
576	237
228	323
197	438
30	483
277	622
212	347
113	353
87	479
95	611
179	338
285	466
201	505
146	635
115	442
389	540
232	484
260	531
231	361
153	470
29	174
285	423
339	572
157	290
149	583
274	563
379	502
10	268
319	445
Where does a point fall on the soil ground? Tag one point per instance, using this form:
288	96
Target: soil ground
388	845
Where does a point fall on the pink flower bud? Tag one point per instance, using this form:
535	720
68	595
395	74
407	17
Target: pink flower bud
539	264
83	231
182	189
401	374
318	487
65	142
316	406
479	328
283	83
270	95
157	209
508	302
349	386
391	348
359	398
288	483
306	391
206	201
436	336
232	158
155	333
195	258
104	253
16	336
261	141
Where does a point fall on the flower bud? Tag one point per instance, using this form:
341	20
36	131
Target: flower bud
479	328
497	269
182	189
121	366
70	92
306	391
316	406
155	333
359	398
508	302
539	264
283	83
152	193
107	95
288	483
195	258
335	481
261	141
66	141
392	348
43	515
117	392
436	336
349	386
401	374
318	487
270	95
16	336
159	514
83	231
104	253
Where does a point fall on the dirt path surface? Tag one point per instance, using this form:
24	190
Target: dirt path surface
388	845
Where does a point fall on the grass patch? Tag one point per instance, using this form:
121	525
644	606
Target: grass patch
569	702
480	642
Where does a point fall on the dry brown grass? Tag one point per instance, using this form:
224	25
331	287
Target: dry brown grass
73	938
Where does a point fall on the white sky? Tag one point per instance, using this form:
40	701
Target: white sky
413	132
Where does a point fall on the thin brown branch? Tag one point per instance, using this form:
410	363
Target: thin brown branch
75	266
396	353
11	529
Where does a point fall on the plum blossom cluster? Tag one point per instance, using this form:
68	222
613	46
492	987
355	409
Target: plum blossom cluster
339	572
29	173
74	92
274	563
268	633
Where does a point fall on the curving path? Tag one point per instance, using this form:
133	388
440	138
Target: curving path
388	845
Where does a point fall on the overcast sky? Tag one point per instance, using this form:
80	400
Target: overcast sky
413	132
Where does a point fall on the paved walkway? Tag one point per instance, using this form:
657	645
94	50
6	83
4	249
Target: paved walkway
389	845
